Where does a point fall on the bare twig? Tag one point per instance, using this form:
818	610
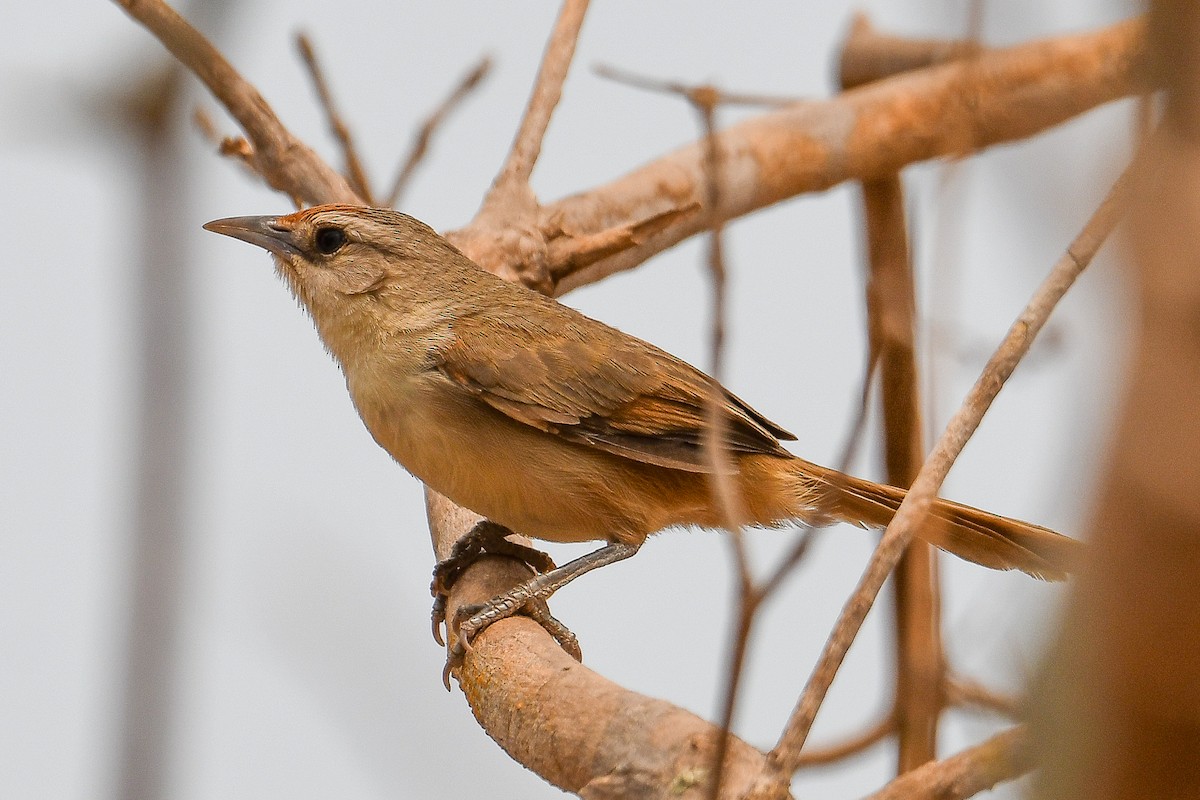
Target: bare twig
234	147
722	482
965	692
527	145
1002	758
713	95
832	753
420	145
916	504
355	173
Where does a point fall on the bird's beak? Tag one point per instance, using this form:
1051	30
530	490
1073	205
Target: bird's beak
269	233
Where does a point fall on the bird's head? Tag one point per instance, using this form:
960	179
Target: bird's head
329	254
365	275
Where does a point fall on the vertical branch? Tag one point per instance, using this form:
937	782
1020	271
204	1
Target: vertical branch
891	319
355	174
158	546
705	99
527	145
891	305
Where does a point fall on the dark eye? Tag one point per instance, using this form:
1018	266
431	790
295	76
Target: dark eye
329	240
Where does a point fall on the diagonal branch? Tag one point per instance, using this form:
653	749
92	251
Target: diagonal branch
1002	758
785	756
355	173
547	91
286	163
420	146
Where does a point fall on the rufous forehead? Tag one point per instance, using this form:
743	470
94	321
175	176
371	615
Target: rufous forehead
307	214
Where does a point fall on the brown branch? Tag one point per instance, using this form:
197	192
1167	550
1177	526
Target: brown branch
869	56
420	145
355	173
965	692
286	163
962	425
871	132
576	251
891	336
891	304
833	753
547	91
711	94
571	726
1002	758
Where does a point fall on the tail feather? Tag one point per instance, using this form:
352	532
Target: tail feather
987	539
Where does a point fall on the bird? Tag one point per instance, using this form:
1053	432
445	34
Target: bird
556	426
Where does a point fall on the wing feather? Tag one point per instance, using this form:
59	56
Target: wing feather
579	379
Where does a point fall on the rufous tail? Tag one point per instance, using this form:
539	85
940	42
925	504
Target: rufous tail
988	539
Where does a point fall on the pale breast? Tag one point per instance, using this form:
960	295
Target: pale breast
532	482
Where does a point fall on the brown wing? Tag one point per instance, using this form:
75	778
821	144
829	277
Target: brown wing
569	375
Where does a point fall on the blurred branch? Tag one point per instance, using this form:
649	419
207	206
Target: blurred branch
964	692
868	55
355	173
831	754
891	337
420	145
1118	695
1002	758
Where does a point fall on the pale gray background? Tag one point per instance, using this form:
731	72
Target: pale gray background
305	667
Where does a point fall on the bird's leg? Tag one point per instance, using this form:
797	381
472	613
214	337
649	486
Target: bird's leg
471	620
486	538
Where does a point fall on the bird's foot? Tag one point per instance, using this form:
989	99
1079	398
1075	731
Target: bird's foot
490	538
472	620
486	538
530	598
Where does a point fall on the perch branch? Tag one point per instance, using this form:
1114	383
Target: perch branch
573	727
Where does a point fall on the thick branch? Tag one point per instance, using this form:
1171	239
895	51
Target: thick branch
573	727
891	328
949	109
